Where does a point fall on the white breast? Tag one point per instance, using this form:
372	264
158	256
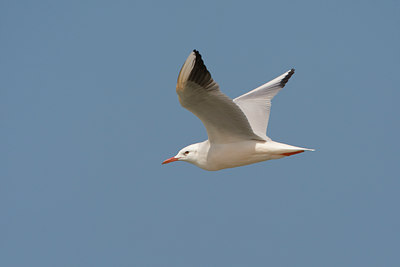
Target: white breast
215	157
222	156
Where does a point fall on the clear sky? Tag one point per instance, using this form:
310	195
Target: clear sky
89	111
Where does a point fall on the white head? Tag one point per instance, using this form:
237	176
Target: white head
189	154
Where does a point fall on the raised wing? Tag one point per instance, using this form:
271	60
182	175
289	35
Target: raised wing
256	104
225	122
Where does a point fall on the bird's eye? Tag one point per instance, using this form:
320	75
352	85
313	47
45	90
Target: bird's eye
186	152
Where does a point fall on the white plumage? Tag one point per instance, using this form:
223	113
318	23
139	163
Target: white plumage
236	128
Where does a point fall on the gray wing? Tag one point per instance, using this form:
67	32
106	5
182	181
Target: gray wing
225	122
256	104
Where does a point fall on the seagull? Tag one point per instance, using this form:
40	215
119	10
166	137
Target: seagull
236	128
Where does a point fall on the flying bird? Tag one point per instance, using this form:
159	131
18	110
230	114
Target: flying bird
236	128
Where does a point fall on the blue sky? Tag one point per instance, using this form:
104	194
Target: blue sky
89	112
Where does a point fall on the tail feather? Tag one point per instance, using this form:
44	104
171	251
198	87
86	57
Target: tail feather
289	150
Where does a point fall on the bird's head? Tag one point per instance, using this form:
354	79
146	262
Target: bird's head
188	154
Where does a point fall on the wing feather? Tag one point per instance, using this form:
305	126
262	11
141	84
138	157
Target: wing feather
225	122
256	104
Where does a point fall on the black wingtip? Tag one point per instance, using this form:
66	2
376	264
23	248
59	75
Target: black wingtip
200	74
198	56
196	53
287	77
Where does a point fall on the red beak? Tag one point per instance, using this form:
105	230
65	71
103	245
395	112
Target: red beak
170	160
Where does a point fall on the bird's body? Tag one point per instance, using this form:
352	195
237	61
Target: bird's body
213	157
236	128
